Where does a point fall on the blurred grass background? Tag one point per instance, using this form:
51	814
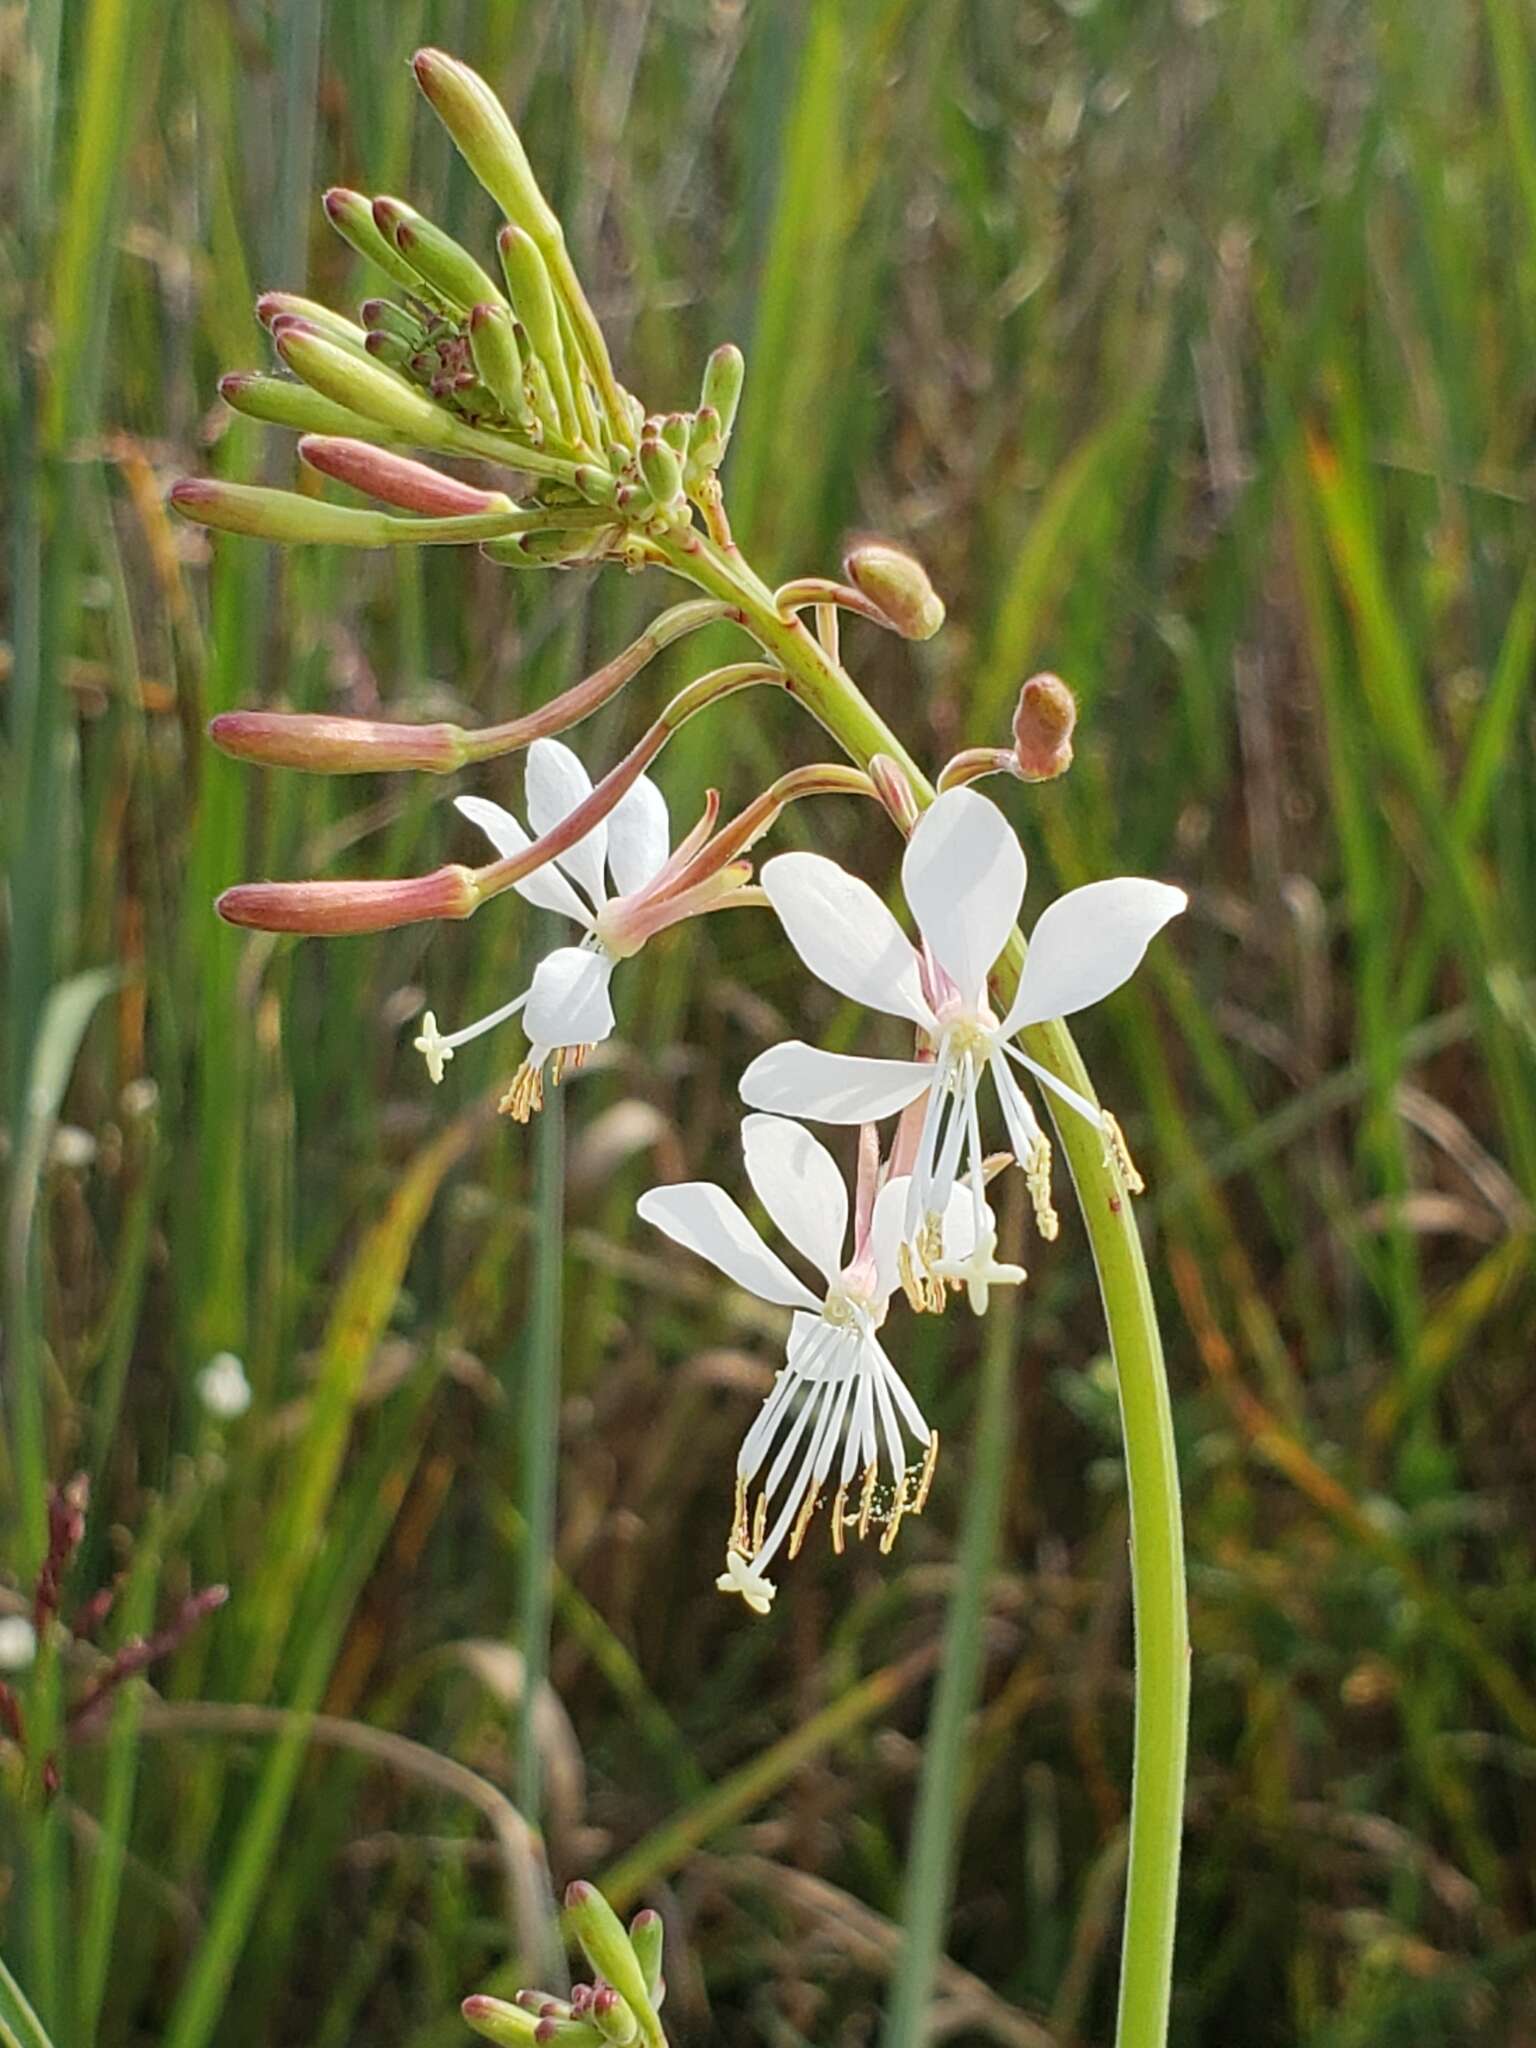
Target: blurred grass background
1194	348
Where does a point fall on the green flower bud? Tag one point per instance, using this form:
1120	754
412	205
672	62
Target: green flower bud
723	375
706	442
508	2025
898	583
393	350
351	215
493	344
285	516
378	394
533	297
607	1948
647	1939
675	429
274	306
484	136
614	2017
281	402
439	259
662	471
383	316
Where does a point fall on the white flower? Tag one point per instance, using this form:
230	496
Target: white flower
838	1392
963	875
566	1006
223	1388
18	1642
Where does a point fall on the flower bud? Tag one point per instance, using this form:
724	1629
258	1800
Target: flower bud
723	375
607	1947
898	583
331	909
533	297
276	515
1042	729
508	2025
675	431
414	486
613	2016
324	745
662	471
274	306
484	136
646	1938
280	402
439	259
498	360
351	215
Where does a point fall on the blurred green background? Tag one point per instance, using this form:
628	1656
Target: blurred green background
1194	349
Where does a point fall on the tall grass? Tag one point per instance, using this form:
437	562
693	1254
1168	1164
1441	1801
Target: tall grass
1194	352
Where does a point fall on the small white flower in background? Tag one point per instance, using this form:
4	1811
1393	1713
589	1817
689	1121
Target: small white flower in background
963	875
18	1642
838	1391
566	1008
223	1388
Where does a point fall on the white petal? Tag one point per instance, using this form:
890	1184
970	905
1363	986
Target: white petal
796	1180
845	934
556	783
963	873
568	1001
546	886
702	1218
832	1087
1087	943
885	1233
639	836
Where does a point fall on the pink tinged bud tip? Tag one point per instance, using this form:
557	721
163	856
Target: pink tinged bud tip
324	745
1042	728
395	479
335	909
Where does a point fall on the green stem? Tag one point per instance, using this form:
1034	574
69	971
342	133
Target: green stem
1157	1542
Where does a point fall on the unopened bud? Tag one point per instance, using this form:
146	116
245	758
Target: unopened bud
647	1938
377	393
393	350
499	361
894	790
324	745
281	402
1042	729
414	486
613	2016
533	297
287	517
484	136
274	306
556	548
723	375
351	215
566	2033
675	430
662	471
332	909
607	1947
508	2025
439	259
898	583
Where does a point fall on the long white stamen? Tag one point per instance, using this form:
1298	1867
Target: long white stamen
927	1138
1048	1080
484	1024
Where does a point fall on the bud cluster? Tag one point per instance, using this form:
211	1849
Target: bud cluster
619	2006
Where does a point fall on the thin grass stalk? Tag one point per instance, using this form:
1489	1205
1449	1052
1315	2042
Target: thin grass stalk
941	1799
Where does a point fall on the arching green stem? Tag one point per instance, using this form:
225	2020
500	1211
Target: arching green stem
1159	1597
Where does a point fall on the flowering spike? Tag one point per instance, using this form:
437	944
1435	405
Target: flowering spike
414	486
338	746
1042	729
351	215
334	909
898	583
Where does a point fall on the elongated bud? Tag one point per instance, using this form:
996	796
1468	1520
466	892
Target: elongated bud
385	317
566	2033
498	360
613	2016
414	486
508	2025
661	469
375	392
898	583
706	443
334	909
324	745
274	306
607	1947
281	402
647	1938
533	296
723	375
1042	729
483	134
439	259
351	215
285	516
894	790
675	430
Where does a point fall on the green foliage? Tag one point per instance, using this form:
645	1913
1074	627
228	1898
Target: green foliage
1192	353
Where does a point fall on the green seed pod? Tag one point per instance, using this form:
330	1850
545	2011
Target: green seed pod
533	297
723	375
607	1948
351	215
439	259
662	471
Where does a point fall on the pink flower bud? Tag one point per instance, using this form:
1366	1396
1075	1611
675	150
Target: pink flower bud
414	486
1042	729
337	746
331	909
898	583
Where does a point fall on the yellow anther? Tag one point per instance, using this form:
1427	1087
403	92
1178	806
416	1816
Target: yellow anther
526	1094
839	1502
1118	1153
867	1498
